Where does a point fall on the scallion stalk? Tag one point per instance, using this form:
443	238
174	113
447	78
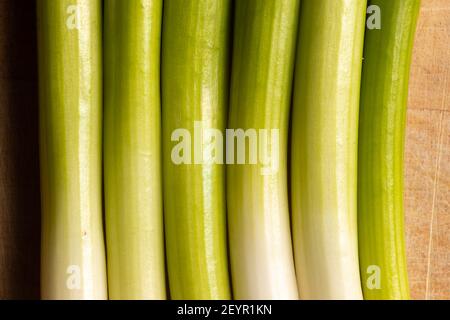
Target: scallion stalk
384	94
195	63
324	148
262	261
70	77
133	182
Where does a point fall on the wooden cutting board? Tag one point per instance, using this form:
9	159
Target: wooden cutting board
427	182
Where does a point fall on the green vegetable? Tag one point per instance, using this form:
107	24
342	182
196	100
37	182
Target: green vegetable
133	182
324	148
73	258
262	260
195	88
387	58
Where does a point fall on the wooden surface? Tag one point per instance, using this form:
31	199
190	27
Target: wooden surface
427	182
19	167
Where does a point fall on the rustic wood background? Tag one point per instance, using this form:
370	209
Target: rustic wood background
19	166
427	182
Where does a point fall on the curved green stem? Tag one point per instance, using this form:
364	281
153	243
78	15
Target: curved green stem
195	88
133	182
70	77
324	148
258	207
384	94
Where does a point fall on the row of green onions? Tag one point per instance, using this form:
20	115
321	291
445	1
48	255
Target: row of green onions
121	220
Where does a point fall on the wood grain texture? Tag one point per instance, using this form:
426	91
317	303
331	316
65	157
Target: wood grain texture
427	181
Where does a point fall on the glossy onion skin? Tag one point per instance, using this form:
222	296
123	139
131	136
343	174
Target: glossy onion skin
70	77
384	94
262	261
195	87
324	148
133	179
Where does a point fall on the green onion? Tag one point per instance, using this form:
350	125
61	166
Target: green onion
262	259
195	89
324	148
73	258
133	184
387	58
